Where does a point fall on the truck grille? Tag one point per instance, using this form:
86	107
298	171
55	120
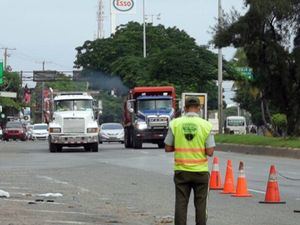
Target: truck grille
73	125
158	121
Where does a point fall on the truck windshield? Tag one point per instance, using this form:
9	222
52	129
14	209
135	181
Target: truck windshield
73	105
235	122
152	104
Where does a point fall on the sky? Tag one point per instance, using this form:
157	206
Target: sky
44	30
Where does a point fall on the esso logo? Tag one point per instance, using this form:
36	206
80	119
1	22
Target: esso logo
123	5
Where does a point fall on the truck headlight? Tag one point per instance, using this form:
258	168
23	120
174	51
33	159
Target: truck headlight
54	130
92	130
141	125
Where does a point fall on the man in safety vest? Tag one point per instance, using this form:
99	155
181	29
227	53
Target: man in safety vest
190	138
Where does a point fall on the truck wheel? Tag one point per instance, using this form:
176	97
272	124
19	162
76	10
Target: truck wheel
127	139
87	148
52	147
161	144
137	144
94	147
58	148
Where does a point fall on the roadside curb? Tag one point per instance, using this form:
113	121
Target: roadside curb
259	150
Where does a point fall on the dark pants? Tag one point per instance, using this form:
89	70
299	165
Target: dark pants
184	183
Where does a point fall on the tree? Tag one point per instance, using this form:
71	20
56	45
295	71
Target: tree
266	33
173	58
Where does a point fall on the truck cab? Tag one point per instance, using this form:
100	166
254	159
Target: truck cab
147	114
74	122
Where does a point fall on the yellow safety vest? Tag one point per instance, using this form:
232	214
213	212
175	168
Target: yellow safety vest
190	134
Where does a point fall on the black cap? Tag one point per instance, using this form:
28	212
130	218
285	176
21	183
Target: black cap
192	101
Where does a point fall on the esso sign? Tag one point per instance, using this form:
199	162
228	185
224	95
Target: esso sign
123	5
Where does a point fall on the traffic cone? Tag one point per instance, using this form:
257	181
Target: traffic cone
241	187
229	180
272	193
215	182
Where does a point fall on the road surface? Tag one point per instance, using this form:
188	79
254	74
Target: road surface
128	187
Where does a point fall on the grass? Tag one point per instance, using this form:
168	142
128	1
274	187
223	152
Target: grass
258	140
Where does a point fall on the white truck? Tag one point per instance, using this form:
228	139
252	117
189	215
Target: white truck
74	122
235	125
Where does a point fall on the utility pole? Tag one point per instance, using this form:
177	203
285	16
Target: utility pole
220	73
6	55
144	31
43	87
100	20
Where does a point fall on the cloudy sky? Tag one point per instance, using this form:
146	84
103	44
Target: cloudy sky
50	30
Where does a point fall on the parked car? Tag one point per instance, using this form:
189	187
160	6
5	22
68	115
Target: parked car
14	130
40	131
111	132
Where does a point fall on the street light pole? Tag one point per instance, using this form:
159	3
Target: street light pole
220	74
144	31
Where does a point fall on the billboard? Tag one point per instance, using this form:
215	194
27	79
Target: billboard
47	75
203	102
123	6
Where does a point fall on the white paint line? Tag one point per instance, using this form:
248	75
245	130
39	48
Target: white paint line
16	188
53	180
256	191
297	199
65	222
61	212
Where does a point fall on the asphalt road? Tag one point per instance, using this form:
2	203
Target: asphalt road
127	186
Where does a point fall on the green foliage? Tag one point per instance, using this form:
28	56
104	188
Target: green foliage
280	122
266	33
112	108
173	58
258	140
66	84
12	83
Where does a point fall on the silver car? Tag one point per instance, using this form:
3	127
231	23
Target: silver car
111	132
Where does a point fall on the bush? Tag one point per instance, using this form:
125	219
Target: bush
280	122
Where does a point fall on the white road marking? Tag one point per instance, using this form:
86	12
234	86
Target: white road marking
65	222
53	180
16	188
61	212
256	191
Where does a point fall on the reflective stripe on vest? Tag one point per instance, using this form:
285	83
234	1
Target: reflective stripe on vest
190	134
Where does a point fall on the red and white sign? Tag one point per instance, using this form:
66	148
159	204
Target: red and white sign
123	6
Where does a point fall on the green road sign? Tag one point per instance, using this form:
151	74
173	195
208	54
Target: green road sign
1	72
246	71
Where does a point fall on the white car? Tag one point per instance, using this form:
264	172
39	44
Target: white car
111	132
40	131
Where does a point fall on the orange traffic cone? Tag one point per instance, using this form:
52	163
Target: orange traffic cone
241	187
229	180
215	182
272	192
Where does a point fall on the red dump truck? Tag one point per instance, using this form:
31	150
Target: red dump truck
147	113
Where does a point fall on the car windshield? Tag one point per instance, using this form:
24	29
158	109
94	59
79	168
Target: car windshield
40	127
112	126
13	125
236	122
152	104
74	105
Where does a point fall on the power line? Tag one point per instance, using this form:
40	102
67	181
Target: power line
6	55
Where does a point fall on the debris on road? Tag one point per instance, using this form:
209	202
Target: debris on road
164	220
50	195
4	194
